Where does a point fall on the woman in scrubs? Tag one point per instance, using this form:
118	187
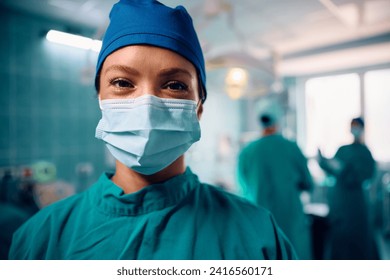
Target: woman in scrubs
151	88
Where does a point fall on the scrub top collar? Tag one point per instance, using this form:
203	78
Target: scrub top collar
112	200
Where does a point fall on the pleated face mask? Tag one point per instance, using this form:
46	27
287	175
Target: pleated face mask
148	133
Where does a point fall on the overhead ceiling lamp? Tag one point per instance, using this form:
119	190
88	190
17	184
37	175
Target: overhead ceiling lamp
72	40
236	81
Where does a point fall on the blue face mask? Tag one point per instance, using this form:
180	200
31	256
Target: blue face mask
356	132
148	133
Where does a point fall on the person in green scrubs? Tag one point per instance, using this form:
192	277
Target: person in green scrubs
151	86
272	172
350	232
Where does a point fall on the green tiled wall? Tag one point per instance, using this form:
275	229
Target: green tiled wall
48	111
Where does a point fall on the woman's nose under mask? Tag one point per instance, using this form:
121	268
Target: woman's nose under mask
148	133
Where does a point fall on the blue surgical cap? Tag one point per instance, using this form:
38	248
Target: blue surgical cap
148	22
358	120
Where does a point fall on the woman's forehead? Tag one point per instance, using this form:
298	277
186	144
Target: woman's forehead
145	54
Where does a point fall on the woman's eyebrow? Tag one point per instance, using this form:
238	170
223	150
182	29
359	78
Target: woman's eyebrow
175	71
122	68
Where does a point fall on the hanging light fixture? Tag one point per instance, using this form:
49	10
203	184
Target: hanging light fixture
236	82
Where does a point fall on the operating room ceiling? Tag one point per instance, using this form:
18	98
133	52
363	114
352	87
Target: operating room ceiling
282	37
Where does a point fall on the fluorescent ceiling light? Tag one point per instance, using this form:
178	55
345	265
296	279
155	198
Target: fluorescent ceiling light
72	40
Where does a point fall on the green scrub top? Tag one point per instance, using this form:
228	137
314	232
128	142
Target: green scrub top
178	219
272	172
351	233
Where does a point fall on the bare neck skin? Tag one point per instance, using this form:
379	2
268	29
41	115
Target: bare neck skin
131	181
358	140
269	130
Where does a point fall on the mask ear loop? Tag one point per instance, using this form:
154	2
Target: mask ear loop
202	98
100	103
202	92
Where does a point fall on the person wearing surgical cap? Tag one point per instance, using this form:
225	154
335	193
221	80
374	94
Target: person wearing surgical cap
350	231
272	172
151	84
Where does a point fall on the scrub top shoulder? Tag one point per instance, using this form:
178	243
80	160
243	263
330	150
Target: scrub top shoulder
178	219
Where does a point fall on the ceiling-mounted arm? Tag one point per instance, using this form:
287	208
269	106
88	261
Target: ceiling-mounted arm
350	17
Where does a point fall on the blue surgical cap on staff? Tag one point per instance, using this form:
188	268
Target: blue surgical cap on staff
148	22
358	120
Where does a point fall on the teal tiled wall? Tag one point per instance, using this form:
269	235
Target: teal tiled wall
49	109
50	113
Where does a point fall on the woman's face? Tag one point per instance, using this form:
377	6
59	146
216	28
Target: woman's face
133	71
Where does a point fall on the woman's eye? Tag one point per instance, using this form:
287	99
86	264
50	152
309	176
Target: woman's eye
121	83
174	85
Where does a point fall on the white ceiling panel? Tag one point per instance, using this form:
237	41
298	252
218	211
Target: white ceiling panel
264	30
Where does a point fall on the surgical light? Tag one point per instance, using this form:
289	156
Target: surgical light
235	82
72	40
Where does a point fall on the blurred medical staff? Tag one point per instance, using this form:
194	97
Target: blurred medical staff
350	234
273	172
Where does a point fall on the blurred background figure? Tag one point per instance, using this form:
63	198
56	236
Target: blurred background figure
12	215
23	192
16	205
351	234
11	219
273	172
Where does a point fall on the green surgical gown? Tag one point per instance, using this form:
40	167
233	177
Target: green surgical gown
272	172
351	233
178	219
